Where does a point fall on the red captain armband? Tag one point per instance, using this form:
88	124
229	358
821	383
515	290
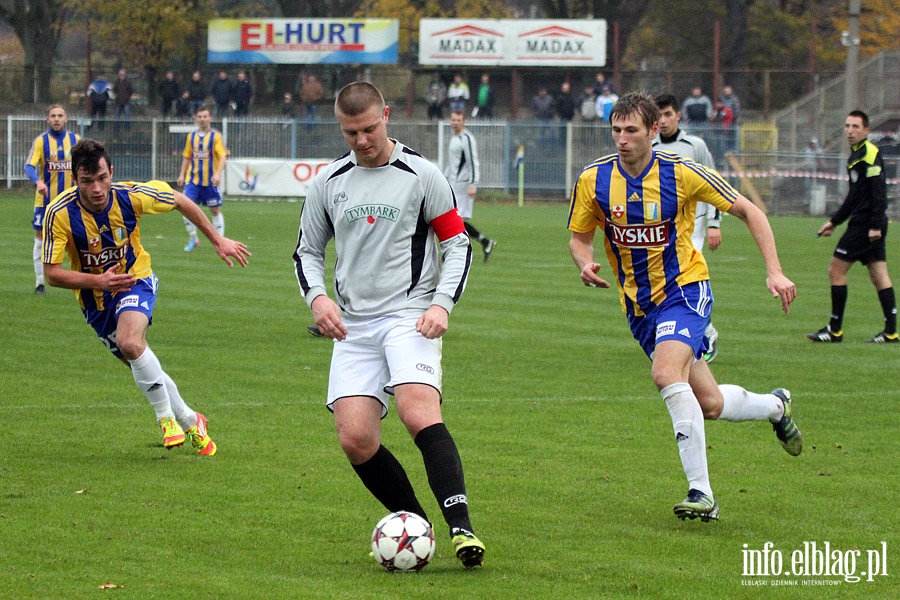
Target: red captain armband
448	225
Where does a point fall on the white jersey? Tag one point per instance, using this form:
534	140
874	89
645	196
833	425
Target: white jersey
384	221
462	162
693	147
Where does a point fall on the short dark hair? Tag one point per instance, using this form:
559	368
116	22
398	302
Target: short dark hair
86	155
638	103
664	101
356	98
860	114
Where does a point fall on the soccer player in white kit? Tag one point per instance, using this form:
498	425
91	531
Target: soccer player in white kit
463	172
403	258
708	219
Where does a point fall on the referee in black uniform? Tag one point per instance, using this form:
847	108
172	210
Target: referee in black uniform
865	211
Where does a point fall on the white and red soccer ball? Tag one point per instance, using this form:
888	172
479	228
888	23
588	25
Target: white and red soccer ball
403	541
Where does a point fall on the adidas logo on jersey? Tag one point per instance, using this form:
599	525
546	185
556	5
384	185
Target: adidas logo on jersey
684	332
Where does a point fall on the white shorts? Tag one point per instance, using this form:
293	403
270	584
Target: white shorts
464	201
378	355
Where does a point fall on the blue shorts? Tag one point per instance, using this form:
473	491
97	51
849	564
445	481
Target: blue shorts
37	222
204	195
682	316
141	298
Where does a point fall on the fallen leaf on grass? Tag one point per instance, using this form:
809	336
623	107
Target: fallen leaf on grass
110	586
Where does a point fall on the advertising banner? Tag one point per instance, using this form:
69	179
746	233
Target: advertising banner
513	42
303	41
268	177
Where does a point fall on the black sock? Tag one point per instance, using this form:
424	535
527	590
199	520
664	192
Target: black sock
383	475
889	308
838	303
473	233
445	474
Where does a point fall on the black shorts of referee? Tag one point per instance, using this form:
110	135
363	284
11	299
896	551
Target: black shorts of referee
855	245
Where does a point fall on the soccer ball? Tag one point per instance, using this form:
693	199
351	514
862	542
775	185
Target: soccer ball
403	541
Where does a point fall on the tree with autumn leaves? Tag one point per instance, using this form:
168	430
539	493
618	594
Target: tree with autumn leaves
756	34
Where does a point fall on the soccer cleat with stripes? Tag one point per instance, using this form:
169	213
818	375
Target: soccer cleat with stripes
192	243
697	505
885	338
786	430
173	435
200	439
710	354
469	549
488	247
826	336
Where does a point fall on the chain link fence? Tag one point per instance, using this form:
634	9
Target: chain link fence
554	154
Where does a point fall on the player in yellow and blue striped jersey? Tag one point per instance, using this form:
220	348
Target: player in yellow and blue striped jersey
96	225
644	202
202	166
48	169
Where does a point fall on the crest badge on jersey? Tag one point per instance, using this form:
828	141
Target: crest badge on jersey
119	234
618	210
651	212
94	242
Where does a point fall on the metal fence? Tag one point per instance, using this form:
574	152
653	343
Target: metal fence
822	113
144	149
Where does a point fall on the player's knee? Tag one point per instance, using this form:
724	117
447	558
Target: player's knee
711	413
358	446
130	348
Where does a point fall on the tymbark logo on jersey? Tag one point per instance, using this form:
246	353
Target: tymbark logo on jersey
371	212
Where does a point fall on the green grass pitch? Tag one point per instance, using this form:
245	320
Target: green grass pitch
570	461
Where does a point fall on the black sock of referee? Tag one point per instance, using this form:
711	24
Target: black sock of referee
383	475
473	233
838	304
445	474
889	308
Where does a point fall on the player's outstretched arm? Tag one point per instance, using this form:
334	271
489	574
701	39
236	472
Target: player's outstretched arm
780	286
226	248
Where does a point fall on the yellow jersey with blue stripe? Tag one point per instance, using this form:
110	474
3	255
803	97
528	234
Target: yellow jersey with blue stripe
647	223
205	151
94	242
51	157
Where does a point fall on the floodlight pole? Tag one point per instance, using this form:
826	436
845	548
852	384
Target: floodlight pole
850	39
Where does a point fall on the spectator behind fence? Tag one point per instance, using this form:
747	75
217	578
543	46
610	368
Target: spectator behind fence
484	107
288	109
605	102
435	96
588	104
222	91
458	94
99	93
311	93
168	93
196	92
697	108
243	93
123	90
